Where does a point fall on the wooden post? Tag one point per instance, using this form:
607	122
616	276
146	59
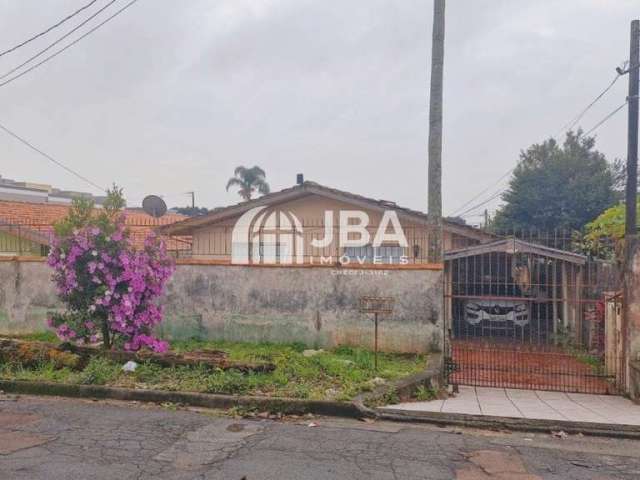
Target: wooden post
578	305
375	347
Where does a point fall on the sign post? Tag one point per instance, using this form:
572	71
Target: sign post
376	305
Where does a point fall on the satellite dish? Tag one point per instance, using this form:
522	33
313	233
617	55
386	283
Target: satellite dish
154	206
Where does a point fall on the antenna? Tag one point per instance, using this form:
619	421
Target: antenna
154	206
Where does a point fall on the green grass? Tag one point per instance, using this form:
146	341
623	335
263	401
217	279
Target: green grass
45	336
337	374
593	361
424	394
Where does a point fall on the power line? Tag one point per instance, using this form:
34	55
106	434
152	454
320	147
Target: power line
58	40
494	196
29	40
567	126
483	191
475	207
597	125
573	122
50	158
55	54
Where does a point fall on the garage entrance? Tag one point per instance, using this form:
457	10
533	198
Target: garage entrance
523	315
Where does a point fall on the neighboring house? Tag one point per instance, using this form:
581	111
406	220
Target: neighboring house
26	228
302	211
31	192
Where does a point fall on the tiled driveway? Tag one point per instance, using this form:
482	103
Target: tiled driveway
533	404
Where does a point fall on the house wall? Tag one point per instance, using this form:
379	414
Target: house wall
314	305
631	322
12	245
214	242
455	241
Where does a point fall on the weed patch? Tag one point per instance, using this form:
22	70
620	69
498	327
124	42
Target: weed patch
338	374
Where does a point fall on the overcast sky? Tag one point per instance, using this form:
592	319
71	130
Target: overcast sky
172	95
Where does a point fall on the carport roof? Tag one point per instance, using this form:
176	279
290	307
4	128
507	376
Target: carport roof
512	246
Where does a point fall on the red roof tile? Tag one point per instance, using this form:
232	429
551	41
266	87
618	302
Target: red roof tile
35	220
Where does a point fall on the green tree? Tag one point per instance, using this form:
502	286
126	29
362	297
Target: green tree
557	186
604	236
191	211
249	181
457	220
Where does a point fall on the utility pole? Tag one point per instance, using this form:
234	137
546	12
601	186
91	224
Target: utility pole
632	139
193	199
630	284
435	132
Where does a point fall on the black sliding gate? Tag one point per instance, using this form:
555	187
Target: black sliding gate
526	316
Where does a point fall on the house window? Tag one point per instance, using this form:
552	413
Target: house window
239	250
385	254
269	251
262	252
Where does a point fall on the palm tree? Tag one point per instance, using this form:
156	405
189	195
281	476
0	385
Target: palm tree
249	180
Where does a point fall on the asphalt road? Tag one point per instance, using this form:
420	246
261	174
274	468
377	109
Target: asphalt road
48	438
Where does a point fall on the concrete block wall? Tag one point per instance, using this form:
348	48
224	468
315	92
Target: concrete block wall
318	306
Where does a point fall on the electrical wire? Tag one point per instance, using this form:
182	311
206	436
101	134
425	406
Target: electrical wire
58	40
55	54
605	119
50	158
44	32
494	196
569	125
505	175
475	207
573	122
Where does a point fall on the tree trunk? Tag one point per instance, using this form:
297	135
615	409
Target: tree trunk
106	337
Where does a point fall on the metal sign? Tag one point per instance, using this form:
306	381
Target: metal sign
370	304
376	305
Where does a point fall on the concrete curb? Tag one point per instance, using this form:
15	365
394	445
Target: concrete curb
356	409
206	400
510	423
405	387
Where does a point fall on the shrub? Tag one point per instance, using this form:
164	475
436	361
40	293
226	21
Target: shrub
110	288
99	371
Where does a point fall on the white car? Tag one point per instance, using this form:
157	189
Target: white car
493	311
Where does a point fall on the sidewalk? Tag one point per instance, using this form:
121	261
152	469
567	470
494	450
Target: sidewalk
532	404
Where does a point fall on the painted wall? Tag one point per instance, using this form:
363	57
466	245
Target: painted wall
214	242
631	318
14	245
317	306
26	295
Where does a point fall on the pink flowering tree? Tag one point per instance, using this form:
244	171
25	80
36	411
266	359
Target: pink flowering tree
110	288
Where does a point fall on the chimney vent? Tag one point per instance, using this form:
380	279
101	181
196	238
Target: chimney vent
300	179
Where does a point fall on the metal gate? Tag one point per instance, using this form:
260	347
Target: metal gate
532	367
523	315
